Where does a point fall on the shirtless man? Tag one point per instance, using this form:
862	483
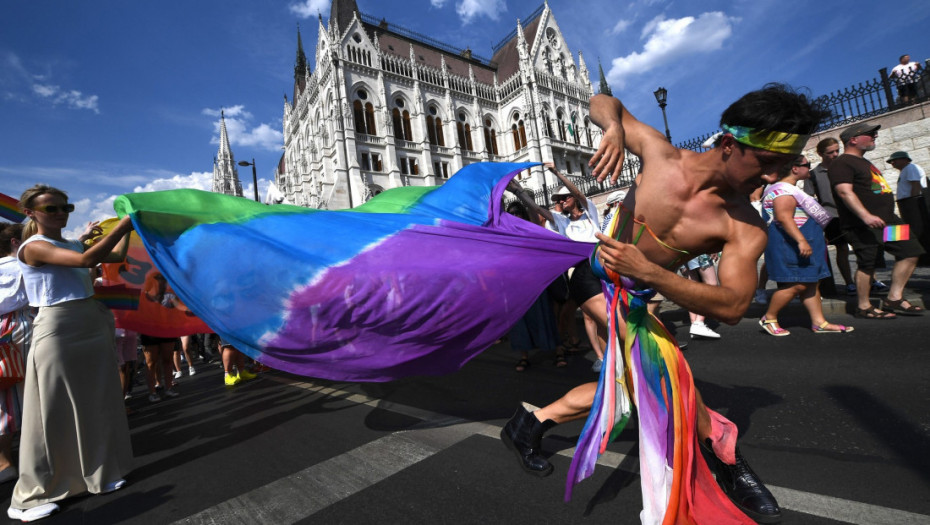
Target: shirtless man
696	203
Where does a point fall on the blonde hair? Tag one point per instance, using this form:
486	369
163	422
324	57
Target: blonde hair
25	201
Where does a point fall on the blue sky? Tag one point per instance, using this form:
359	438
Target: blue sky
102	98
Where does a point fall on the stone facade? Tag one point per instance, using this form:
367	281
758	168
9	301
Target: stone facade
386	107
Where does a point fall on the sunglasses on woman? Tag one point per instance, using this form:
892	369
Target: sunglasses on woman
52	208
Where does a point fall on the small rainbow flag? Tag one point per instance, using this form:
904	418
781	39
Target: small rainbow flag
9	209
118	297
897	232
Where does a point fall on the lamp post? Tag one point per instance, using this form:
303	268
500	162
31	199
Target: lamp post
661	96
254	177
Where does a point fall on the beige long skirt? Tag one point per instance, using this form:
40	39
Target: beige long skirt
75	437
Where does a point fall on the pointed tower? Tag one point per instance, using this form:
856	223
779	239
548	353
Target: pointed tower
300	68
604	87
225	174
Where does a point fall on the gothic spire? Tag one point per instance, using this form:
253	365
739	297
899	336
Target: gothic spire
300	66
225	174
604	87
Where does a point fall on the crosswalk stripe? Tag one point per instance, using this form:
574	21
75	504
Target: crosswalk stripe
285	500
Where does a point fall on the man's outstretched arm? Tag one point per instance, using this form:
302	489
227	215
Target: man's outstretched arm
621	131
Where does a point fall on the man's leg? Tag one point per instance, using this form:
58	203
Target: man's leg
863	286
900	274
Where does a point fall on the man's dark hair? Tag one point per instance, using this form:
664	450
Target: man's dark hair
776	107
519	210
900	58
8	232
824	144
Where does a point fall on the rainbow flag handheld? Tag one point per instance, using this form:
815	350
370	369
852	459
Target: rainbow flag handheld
9	209
896	232
416	281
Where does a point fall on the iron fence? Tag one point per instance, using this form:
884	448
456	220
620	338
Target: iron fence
863	101
587	185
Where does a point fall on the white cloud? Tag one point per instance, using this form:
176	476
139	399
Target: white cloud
670	40
242	133
468	10
309	8
620	26
101	207
22	85
437	3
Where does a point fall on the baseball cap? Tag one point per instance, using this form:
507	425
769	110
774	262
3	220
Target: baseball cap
860	128
899	155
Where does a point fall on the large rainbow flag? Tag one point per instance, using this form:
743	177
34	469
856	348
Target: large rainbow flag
417	280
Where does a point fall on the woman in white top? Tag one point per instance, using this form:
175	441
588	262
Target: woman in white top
75	438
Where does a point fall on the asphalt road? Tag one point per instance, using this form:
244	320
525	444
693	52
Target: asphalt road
837	425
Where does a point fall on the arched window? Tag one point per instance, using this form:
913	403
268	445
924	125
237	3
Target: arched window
561	124
587	130
370	119
434	127
490	137
548	123
359	116
398	126
464	133
431	130
519	133
408	134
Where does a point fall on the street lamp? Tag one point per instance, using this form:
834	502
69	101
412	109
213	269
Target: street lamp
661	95
255	178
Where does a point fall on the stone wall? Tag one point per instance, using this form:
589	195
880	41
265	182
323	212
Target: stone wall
906	129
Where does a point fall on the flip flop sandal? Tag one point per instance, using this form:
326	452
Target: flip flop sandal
560	361
522	365
771	327
822	329
873	313
895	306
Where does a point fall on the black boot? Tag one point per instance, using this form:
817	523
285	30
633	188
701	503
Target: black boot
523	435
743	487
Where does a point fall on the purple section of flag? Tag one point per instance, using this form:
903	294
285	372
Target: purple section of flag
422	301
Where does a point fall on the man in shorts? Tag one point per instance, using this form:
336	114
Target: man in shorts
866	208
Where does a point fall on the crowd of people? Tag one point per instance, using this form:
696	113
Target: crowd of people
685	232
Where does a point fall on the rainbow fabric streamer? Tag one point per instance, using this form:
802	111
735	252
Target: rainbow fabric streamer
416	281
9	209
677	485
775	141
896	232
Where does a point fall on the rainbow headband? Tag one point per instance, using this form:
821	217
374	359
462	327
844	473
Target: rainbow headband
774	141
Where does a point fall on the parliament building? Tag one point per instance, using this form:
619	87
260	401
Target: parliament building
385	106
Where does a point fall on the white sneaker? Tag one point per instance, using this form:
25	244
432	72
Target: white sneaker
178	374
760	297
701	330
191	371
35	513
113	486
